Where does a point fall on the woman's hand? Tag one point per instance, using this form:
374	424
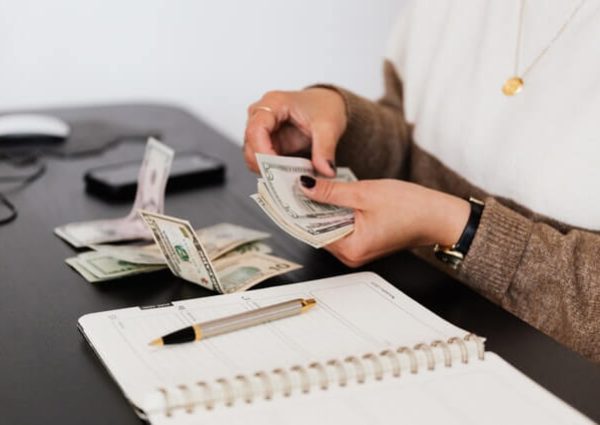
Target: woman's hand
389	215
291	123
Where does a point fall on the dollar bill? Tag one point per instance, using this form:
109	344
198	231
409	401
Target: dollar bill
252	247
98	267
295	230
281	174
313	226
149	254
185	254
78	266
280	197
217	240
152	180
241	272
222	238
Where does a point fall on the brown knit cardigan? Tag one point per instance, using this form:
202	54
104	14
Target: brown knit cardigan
545	272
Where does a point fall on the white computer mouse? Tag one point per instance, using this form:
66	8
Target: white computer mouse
32	126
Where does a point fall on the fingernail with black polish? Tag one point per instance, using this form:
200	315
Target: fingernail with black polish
332	165
307	181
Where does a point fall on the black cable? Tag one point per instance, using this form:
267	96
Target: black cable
26	178
128	138
11	208
21	159
21	182
25	158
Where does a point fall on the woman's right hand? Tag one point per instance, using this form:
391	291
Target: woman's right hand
296	122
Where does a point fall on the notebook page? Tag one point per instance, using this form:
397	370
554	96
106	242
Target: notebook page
489	391
356	313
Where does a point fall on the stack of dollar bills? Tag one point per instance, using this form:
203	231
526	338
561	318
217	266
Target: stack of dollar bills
224	257
281	198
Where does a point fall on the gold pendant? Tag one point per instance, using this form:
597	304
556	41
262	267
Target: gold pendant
512	86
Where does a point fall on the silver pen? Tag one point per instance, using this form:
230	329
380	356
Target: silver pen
236	322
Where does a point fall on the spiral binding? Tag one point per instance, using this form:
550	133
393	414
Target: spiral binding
352	367
287	386
209	401
227	390
445	350
248	393
189	401
323	378
304	378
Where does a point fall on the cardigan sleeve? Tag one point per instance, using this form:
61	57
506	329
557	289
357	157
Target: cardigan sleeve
548	277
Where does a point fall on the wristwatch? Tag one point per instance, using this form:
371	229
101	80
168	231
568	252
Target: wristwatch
454	255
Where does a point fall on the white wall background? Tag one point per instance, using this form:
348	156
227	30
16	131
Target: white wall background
213	57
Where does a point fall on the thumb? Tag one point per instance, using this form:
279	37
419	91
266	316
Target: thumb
327	191
323	150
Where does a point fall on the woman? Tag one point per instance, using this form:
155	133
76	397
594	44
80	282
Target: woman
494	100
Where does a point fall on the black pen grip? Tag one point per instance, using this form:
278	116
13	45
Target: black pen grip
182	335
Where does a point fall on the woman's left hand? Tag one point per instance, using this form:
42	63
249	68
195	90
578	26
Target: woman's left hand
389	215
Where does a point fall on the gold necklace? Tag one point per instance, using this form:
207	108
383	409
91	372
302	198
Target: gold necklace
514	84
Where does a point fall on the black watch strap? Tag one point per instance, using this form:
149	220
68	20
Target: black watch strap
466	238
455	254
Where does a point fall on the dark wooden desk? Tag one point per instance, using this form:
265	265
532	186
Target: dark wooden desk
50	375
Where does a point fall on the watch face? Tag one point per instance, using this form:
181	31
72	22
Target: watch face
449	256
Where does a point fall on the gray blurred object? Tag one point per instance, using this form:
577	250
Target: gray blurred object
33	133
18	129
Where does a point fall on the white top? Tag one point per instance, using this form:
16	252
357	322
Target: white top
541	147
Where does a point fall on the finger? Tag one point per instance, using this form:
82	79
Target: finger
250	158
323	150
326	191
257	137
258	130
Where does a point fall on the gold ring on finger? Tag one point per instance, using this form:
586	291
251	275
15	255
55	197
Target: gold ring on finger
264	108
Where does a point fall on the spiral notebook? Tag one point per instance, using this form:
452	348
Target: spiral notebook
366	354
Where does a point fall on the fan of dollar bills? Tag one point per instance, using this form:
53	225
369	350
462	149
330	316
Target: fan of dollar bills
282	200
224	257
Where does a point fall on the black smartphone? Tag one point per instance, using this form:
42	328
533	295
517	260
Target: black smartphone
189	170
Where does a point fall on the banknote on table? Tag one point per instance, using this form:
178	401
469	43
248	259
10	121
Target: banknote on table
224	237
148	254
238	270
280	197
217	240
241	272
152	180
99	267
251	247
78	266
186	256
